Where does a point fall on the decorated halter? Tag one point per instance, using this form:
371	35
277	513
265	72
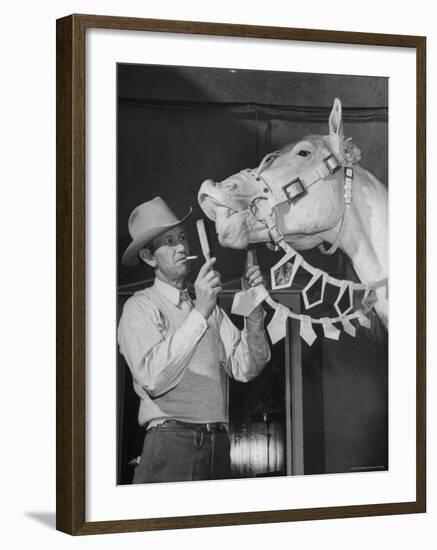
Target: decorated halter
283	273
292	189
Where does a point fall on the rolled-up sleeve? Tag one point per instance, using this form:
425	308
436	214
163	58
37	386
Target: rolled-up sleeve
157	359
247	351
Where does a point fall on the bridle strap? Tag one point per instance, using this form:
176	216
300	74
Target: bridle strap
290	189
347	195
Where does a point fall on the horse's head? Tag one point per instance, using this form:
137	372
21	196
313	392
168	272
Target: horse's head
299	187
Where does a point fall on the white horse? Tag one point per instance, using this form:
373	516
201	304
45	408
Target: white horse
308	193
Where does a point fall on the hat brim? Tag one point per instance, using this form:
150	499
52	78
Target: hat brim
130	256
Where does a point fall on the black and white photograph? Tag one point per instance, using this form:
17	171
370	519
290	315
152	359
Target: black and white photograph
217	283
252	274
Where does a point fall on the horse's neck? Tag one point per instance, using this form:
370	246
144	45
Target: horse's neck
365	239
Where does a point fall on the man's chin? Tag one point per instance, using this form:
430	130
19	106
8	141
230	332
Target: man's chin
183	267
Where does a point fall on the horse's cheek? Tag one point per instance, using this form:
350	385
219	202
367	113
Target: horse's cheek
310	217
328	213
328	208
306	216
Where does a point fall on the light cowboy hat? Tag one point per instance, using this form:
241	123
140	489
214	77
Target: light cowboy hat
147	221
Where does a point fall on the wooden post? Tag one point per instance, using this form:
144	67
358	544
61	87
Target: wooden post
294	395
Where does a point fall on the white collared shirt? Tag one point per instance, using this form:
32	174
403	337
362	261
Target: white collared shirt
158	357
170	292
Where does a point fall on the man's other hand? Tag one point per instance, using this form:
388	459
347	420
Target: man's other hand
207	287
252	277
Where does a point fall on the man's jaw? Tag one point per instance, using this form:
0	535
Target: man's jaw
176	279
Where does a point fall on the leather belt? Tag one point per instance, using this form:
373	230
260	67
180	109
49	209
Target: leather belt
209	427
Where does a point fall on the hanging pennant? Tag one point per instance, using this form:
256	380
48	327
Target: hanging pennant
369	298
282	273
317	275
344	287
277	328
329	330
363	320
349	328
246	301
306	331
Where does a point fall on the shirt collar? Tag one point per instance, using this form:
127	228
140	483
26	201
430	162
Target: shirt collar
172	293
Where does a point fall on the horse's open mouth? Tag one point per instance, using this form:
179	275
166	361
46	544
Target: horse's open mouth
213	208
230	224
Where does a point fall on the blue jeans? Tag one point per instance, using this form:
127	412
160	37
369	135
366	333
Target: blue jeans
183	454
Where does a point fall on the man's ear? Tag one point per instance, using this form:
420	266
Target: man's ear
147	257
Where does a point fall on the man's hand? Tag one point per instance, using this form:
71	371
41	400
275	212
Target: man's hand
207	287
252	277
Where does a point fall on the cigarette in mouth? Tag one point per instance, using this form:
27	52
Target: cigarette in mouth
191	257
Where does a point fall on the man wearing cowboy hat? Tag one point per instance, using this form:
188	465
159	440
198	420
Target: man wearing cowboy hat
181	353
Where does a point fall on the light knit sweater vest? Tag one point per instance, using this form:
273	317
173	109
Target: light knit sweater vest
202	393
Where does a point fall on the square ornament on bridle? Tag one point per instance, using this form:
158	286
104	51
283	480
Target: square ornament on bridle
298	187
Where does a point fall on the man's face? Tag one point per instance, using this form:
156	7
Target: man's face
170	252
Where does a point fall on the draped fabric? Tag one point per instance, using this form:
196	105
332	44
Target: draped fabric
249	111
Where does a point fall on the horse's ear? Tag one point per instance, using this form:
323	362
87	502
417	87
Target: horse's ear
335	119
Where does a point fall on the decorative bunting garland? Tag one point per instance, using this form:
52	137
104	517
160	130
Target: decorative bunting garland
283	273
282	276
307	331
244	303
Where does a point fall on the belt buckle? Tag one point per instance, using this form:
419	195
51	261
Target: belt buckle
214	427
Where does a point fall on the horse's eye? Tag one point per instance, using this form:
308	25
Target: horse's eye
304	153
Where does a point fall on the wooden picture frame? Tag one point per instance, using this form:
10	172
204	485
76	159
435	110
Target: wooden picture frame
71	273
